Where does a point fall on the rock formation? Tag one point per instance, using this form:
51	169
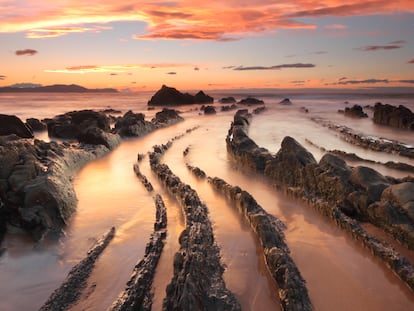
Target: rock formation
71	289
251	101
209	110
228	100
335	189
285	102
400	117
13	125
169	96
36	124
197	283
355	111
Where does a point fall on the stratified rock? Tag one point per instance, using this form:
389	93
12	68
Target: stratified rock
228	100
71	289
209	110
13	125
355	112
251	101
169	96
285	102
401	196
202	98
400	117
36	124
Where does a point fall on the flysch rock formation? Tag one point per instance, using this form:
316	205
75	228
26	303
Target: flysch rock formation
137	294
71	289
36	191
197	283
292	289
344	194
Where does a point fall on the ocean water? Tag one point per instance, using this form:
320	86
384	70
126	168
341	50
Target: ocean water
340	273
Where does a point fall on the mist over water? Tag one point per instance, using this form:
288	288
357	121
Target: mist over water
340	273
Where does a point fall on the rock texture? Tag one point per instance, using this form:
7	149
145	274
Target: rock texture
169	96
70	290
197	283
228	100
269	230
251	101
13	125
36	124
355	111
137	294
400	117
334	189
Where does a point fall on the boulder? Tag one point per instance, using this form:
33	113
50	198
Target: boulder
251	101
401	196
209	110
167	116
133	124
97	136
13	125
228	100
285	102
355	111
288	166
228	107
169	96
400	117
202	98
36	124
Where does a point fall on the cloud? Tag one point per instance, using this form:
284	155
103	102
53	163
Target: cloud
275	67
183	19
28	52
406	81
2	77
196	68
411	61
398	42
319	52
367	81
115	69
378	47
343	78
171	73
336	27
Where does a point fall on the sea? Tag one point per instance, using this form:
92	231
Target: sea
340	273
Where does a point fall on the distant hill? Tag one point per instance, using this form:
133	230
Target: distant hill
56	88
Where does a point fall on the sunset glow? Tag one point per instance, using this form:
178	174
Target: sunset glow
208	45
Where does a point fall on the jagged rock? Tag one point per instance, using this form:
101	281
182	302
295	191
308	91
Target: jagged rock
96	136
70	125
166	117
36	124
133	124
13	125
228	100
169	96
202	98
209	110
400	117
285	102
287	167
355	112
251	101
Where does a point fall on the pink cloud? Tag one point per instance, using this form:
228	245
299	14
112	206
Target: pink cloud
378	47
411	61
336	26
28	52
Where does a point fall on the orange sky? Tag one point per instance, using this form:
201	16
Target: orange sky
208	44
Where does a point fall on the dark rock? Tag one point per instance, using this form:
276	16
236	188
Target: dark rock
229	107
209	110
304	109
401	196
36	124
202	98
13	125
71	289
166	117
400	117
286	102
251	101
228	100
70	125
259	110
96	136
370	181
133	125
355	111
169	96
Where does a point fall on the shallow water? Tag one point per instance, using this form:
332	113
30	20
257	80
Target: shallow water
340	273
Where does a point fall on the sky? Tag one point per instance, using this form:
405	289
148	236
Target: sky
193	44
